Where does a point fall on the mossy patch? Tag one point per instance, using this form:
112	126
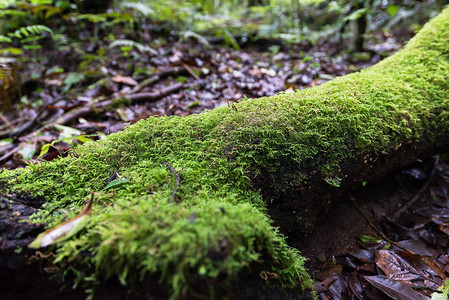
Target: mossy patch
218	226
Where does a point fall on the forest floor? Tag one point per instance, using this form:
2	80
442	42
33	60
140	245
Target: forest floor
389	238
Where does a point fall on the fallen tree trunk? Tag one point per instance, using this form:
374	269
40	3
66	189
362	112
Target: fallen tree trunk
192	211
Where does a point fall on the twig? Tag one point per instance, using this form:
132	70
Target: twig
188	69
28	125
73	115
153	96
6	121
157	77
78	112
7	155
406	206
371	224
177	176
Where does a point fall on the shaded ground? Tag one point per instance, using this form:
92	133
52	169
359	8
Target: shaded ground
389	238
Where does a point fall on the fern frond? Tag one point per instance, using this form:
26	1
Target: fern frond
5	39
133	44
32	30
6	60
139	7
12	12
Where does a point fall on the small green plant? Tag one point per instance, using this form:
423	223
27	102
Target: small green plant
127	45
28	37
445	292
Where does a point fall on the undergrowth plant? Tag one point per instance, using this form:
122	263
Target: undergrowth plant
28	38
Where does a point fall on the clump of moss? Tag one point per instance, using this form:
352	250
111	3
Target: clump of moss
186	246
218	228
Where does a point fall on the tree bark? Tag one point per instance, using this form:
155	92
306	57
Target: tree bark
288	156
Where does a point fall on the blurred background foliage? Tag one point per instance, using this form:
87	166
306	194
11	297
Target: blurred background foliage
90	30
58	55
288	20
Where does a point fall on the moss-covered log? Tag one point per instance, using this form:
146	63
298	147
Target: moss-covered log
278	157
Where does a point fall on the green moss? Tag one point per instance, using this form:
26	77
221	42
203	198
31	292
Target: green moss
218	228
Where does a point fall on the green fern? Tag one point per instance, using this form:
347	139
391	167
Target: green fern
5	39
12	12
138	7
28	31
133	44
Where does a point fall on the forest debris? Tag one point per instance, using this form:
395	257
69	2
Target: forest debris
404	208
191	72
177	177
393	288
124	79
10	153
64	230
153	96
73	115
157	77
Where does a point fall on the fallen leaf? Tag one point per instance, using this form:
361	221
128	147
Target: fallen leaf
116	182
27	151
410	269
64	230
124	79
393	288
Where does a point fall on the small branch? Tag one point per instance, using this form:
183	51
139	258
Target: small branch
158	77
6	121
153	96
7	155
78	112
374	227
73	115
191	72
178	179
406	206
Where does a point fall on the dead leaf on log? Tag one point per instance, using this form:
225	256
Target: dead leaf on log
64	230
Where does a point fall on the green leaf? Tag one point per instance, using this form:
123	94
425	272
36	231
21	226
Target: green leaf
441	296
12	51
5	39
82	139
370	239
356	14
54	70
333	181
5	142
116	182
27	151
193	104
133	44
202	40
64	230
44	150
67	132
230	40
392	10
72	79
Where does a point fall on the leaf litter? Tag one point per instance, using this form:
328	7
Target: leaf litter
98	94
410	259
